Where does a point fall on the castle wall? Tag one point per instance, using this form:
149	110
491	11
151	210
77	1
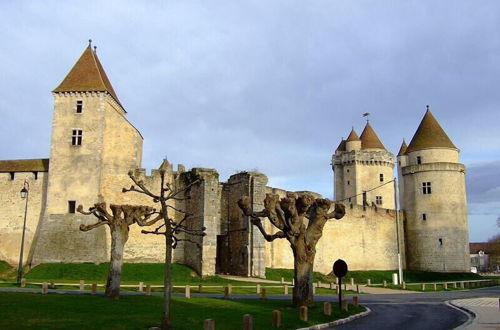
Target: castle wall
364	239
12	208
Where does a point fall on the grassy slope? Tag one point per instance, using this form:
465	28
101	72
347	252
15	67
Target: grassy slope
6	270
53	311
378	276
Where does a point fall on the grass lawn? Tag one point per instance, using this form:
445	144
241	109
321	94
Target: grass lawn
55	311
378	276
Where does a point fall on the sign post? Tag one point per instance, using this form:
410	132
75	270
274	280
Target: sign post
340	270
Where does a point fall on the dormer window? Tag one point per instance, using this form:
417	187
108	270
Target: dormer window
79	106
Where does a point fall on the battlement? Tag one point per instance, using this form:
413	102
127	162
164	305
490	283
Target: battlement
365	157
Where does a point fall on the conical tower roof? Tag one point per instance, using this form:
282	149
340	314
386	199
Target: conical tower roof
353	136
369	139
87	75
403	148
429	134
341	146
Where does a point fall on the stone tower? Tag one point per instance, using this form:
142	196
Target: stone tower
363	168
91	143
433	194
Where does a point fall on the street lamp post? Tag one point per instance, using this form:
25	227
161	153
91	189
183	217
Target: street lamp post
24	195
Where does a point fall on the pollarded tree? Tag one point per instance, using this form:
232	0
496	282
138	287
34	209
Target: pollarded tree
300	219
170	228
119	220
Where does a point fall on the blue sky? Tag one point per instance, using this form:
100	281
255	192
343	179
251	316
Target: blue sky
268	86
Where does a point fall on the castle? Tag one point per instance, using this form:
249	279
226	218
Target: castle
93	147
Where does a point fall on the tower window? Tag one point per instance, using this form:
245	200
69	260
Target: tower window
36	175
426	188
348	182
12	175
440	242
424	216
79	106
347	170
378	200
71	206
419	160
381	177
76	138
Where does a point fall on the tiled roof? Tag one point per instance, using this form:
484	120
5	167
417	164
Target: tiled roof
369	139
24	165
403	148
87	75
353	136
341	146
429	134
486	247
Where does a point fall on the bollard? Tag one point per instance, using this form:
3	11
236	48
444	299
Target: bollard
94	288
345	306
303	313
52	285
226	292
336	280
200	288
276	320
327	308
314	289
357	288
385	284
247	322
230	288
332	286
455	285
352	281
141	286
263	294
45	288
286	289
23	283
403	285
338	289
293	281
395	279
148	290
209	324
82	285
422	287
282	280
355	301
368	282
434	286
258	288
462	285
445	285
187	291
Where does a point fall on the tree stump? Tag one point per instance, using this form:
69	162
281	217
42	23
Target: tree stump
209	324
276	320
327	308
247	322
345	305
303	313
355	301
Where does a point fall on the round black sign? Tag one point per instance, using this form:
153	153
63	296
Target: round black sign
340	268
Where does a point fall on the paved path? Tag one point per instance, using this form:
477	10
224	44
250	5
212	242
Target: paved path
487	312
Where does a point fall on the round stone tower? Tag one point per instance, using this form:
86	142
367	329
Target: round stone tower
433	194
363	168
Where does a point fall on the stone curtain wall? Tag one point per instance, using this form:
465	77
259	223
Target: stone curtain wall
12	213
364	239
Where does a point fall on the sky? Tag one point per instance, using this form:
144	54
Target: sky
270	86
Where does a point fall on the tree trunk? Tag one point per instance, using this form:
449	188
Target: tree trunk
303	275
119	237
167	293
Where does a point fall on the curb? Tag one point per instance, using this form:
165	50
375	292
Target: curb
339	322
470	314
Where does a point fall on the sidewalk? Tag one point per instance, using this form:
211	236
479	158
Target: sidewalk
486	309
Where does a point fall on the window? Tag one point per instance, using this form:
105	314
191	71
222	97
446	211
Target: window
79	106
381	177
348	182
378	200
419	160
440	242
76	138
426	188
424	216
349	199
12	175
71	206
36	175
347	170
